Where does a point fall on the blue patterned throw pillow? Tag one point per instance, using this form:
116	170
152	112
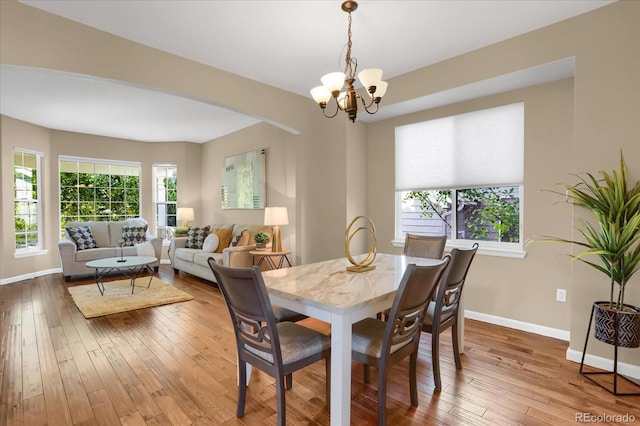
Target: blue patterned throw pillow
196	237
81	235
133	235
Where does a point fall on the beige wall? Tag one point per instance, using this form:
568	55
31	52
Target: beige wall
606	118
560	140
496	284
280	176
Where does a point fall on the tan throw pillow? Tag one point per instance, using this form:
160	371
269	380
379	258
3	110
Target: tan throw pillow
224	235
244	238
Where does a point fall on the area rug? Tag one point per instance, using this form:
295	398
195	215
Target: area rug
118	298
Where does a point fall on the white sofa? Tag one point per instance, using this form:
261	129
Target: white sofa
234	255
106	236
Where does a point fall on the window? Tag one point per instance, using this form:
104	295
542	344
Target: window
98	190
462	176
26	205
165	184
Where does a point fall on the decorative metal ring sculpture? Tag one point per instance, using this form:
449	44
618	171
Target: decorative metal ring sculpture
366	264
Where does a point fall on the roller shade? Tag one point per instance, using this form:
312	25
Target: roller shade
476	149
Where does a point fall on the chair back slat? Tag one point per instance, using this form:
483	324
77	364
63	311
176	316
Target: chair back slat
424	246
450	289
412	298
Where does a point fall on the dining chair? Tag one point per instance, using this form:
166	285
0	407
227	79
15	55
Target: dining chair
424	245
278	349
383	344
428	246
442	312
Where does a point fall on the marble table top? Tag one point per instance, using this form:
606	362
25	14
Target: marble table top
329	286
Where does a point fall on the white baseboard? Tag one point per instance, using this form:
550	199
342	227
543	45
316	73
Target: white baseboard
165	262
29	276
629	370
519	325
624	368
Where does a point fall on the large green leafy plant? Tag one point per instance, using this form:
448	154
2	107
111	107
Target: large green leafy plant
615	237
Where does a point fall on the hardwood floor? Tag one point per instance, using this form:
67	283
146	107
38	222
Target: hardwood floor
175	364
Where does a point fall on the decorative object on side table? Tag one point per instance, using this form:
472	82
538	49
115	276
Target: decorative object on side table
276	216
261	239
366	263
615	239
121	244
181	231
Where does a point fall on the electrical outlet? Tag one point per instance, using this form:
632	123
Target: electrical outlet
561	295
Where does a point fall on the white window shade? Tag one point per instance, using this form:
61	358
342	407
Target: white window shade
480	148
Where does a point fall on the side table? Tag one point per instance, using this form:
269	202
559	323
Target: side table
271	257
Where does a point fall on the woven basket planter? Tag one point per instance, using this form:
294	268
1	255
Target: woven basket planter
628	325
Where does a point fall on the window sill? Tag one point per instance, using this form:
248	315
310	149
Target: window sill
29	253
486	251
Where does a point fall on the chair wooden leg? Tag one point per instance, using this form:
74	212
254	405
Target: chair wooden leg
413	378
327	390
456	344
382	397
435	358
242	387
366	372
281	395
288	379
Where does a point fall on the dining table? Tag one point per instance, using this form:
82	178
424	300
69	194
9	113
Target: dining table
327	291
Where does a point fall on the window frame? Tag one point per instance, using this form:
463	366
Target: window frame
38	249
97	162
161	230
492	248
411	142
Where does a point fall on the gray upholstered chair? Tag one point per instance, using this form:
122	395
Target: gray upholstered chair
383	344
442	313
424	246
278	349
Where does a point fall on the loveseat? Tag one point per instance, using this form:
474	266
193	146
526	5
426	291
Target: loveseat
228	244
86	241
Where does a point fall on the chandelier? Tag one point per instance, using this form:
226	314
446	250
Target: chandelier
332	83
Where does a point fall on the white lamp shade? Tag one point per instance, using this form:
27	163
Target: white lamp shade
381	89
333	82
185	213
276	216
320	94
370	77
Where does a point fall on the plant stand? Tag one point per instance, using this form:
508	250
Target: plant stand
614	373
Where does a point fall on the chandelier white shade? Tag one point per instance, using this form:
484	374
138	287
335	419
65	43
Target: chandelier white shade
332	83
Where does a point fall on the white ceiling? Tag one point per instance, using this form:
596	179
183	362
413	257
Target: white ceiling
287	44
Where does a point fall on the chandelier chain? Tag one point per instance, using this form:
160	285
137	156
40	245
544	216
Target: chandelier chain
351	64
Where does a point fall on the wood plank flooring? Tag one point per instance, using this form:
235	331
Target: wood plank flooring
176	365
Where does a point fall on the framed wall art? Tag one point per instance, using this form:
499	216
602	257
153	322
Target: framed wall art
244	181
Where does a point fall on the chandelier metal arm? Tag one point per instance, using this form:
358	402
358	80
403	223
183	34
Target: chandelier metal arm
366	108
324	110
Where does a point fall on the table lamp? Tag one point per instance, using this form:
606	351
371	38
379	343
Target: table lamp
276	216
185	214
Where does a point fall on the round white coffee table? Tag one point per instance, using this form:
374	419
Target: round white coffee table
129	266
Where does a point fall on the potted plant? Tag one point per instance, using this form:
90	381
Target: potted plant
261	238
615	240
181	231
